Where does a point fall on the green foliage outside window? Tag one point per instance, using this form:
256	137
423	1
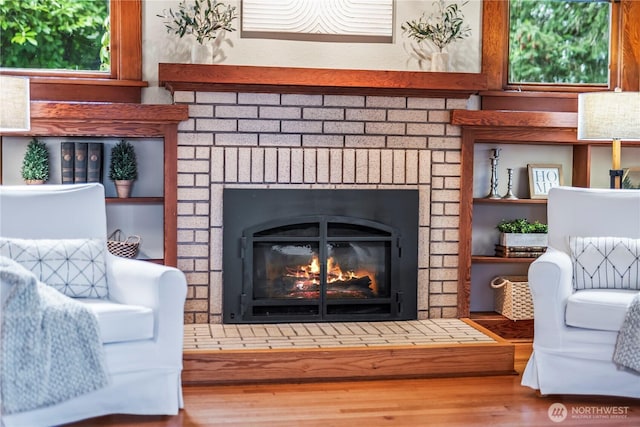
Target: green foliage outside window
559	41
55	34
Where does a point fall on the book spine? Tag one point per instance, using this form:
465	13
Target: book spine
94	162
80	169
67	161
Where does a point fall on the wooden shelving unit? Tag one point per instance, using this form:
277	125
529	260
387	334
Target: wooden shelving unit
507	127
120	120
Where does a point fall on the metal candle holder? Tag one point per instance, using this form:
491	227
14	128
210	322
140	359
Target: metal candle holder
493	193
510	195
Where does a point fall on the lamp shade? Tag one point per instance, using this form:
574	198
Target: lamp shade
604	116
14	104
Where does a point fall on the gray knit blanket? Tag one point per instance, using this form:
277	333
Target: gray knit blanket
50	348
627	351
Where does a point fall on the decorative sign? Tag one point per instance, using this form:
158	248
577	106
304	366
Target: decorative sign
335	20
542	178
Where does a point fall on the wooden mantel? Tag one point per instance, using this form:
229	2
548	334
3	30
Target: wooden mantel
236	78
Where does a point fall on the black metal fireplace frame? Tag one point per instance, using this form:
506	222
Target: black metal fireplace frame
247	212
322	309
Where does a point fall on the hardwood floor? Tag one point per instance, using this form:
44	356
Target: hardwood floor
461	401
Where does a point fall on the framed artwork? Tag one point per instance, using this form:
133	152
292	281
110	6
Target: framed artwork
542	178
631	178
368	21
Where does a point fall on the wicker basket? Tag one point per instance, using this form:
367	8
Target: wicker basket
512	297
125	248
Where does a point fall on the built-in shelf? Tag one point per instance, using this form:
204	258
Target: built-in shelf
528	128
480	200
135	200
121	120
489	259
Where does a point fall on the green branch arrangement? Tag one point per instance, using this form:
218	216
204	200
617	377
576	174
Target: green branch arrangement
442	28
123	165
35	165
522	226
204	19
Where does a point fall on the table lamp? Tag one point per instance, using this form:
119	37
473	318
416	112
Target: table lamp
610	116
14	104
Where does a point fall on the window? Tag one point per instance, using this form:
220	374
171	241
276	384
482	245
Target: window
122	83
559	41
55	34
624	49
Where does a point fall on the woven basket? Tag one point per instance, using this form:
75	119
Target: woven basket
125	248
512	297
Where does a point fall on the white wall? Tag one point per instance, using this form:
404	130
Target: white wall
401	55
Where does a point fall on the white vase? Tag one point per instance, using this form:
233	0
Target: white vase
123	188
201	54
523	239
439	61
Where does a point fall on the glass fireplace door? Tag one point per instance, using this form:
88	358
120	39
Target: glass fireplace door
286	274
319	270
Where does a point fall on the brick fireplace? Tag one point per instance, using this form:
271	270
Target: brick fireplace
317	141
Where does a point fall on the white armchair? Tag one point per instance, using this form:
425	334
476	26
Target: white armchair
141	321
575	331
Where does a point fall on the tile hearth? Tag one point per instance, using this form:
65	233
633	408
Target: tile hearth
331	335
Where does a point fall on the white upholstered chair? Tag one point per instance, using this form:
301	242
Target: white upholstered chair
576	330
141	322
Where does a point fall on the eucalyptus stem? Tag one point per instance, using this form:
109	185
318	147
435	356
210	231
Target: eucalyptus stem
442	28
204	19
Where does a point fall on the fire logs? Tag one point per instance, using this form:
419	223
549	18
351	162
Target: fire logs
355	287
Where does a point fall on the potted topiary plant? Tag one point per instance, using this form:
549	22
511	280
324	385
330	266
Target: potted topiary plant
522	233
204	20
123	168
440	29
35	165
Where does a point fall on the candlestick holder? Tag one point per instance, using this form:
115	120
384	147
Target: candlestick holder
615	178
493	192
510	195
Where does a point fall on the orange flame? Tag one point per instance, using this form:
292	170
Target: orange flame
335	273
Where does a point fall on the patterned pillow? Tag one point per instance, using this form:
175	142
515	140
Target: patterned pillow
75	267
605	262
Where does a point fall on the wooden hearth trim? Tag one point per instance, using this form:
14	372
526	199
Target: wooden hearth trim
236	78
348	363
246	366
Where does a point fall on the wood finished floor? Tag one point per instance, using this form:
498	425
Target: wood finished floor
462	401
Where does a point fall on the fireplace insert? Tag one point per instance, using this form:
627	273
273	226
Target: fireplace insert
319	255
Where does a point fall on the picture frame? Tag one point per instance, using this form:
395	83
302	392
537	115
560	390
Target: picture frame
542	178
631	178
361	21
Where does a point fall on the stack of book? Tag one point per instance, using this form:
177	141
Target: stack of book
81	162
520	251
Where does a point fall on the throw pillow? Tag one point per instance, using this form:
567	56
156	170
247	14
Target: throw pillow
605	262
75	267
